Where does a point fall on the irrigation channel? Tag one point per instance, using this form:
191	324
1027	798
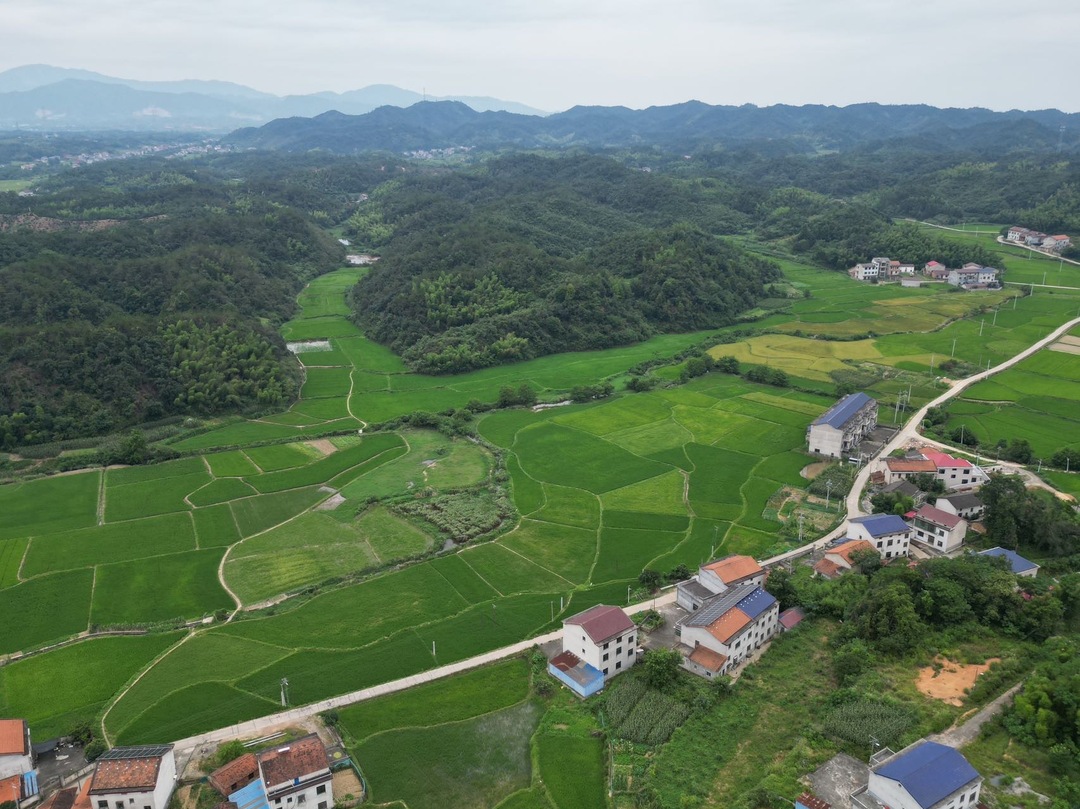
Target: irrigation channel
186	748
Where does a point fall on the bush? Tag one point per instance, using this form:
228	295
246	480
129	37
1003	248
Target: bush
94	750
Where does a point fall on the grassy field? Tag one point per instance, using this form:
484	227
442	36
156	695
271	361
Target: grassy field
44	609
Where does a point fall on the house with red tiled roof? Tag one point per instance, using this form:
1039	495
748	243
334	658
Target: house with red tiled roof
1056	243
133	778
827	569
841	555
955	473
235	775
938	530
717	577
808	801
604	637
731	625
297	775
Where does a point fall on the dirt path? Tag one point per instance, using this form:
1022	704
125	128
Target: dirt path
959	735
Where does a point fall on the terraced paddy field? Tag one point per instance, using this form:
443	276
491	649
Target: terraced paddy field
603	490
1037	399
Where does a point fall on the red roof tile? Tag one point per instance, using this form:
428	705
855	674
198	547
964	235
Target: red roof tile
297	759
565	661
708	659
938	517
810	802
63	799
792	617
125	775
11	789
601	622
13	741
235	775
734	569
827	568
907	465
845	549
730	624
943	459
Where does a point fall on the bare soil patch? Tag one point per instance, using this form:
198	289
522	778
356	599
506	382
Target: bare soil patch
949	681
330	503
811	471
323	445
1065	348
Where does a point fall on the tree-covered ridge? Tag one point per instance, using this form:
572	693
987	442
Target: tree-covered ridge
172	309
532	256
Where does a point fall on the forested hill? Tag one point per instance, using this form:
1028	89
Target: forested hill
691	125
133	291
530	256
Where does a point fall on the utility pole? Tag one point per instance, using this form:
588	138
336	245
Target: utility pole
932	358
1039	470
433	648
995	317
982	324
828	493
801	517
962	426
284	691
953	352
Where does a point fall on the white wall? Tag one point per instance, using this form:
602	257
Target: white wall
619	650
15	765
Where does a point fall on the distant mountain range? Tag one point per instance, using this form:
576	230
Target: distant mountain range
687	126
52	98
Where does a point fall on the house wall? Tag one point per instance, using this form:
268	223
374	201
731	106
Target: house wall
15	765
938	537
825	440
888	546
958	477
701	671
892	794
139	799
309	796
949	508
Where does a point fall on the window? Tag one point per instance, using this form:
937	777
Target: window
131	800
301	798
607	644
322	804
605	672
119	805
618	665
321	790
606	654
103	804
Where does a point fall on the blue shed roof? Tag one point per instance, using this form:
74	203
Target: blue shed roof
878	525
756	603
930	772
1018	563
839	414
253	796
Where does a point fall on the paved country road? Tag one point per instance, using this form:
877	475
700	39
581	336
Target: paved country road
261	726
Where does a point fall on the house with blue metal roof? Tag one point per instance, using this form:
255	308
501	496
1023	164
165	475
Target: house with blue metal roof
1020	566
926	775
839	430
889	534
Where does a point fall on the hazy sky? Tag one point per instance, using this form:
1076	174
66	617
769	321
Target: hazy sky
553	54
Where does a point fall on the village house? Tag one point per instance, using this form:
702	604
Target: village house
791	618
718	577
1056	243
602	636
865	272
905	488
973	275
297	774
887	533
726	629
967	506
896	469
936	271
1020	566
841	428
955	473
18	777
133	778
938	530
926	775
838	558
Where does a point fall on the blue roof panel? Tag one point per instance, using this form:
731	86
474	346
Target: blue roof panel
878	525
756	603
1018	563
839	414
930	772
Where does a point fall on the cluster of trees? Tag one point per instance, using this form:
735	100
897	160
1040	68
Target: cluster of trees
893	609
170	309
531	256
1045	523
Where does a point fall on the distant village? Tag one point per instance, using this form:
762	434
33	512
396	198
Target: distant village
883	269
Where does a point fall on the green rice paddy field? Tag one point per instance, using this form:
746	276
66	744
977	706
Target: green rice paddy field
605	489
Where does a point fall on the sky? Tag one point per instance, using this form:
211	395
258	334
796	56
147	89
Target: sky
554	54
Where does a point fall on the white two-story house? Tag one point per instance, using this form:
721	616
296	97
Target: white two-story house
926	775
727	628
889	534
297	775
